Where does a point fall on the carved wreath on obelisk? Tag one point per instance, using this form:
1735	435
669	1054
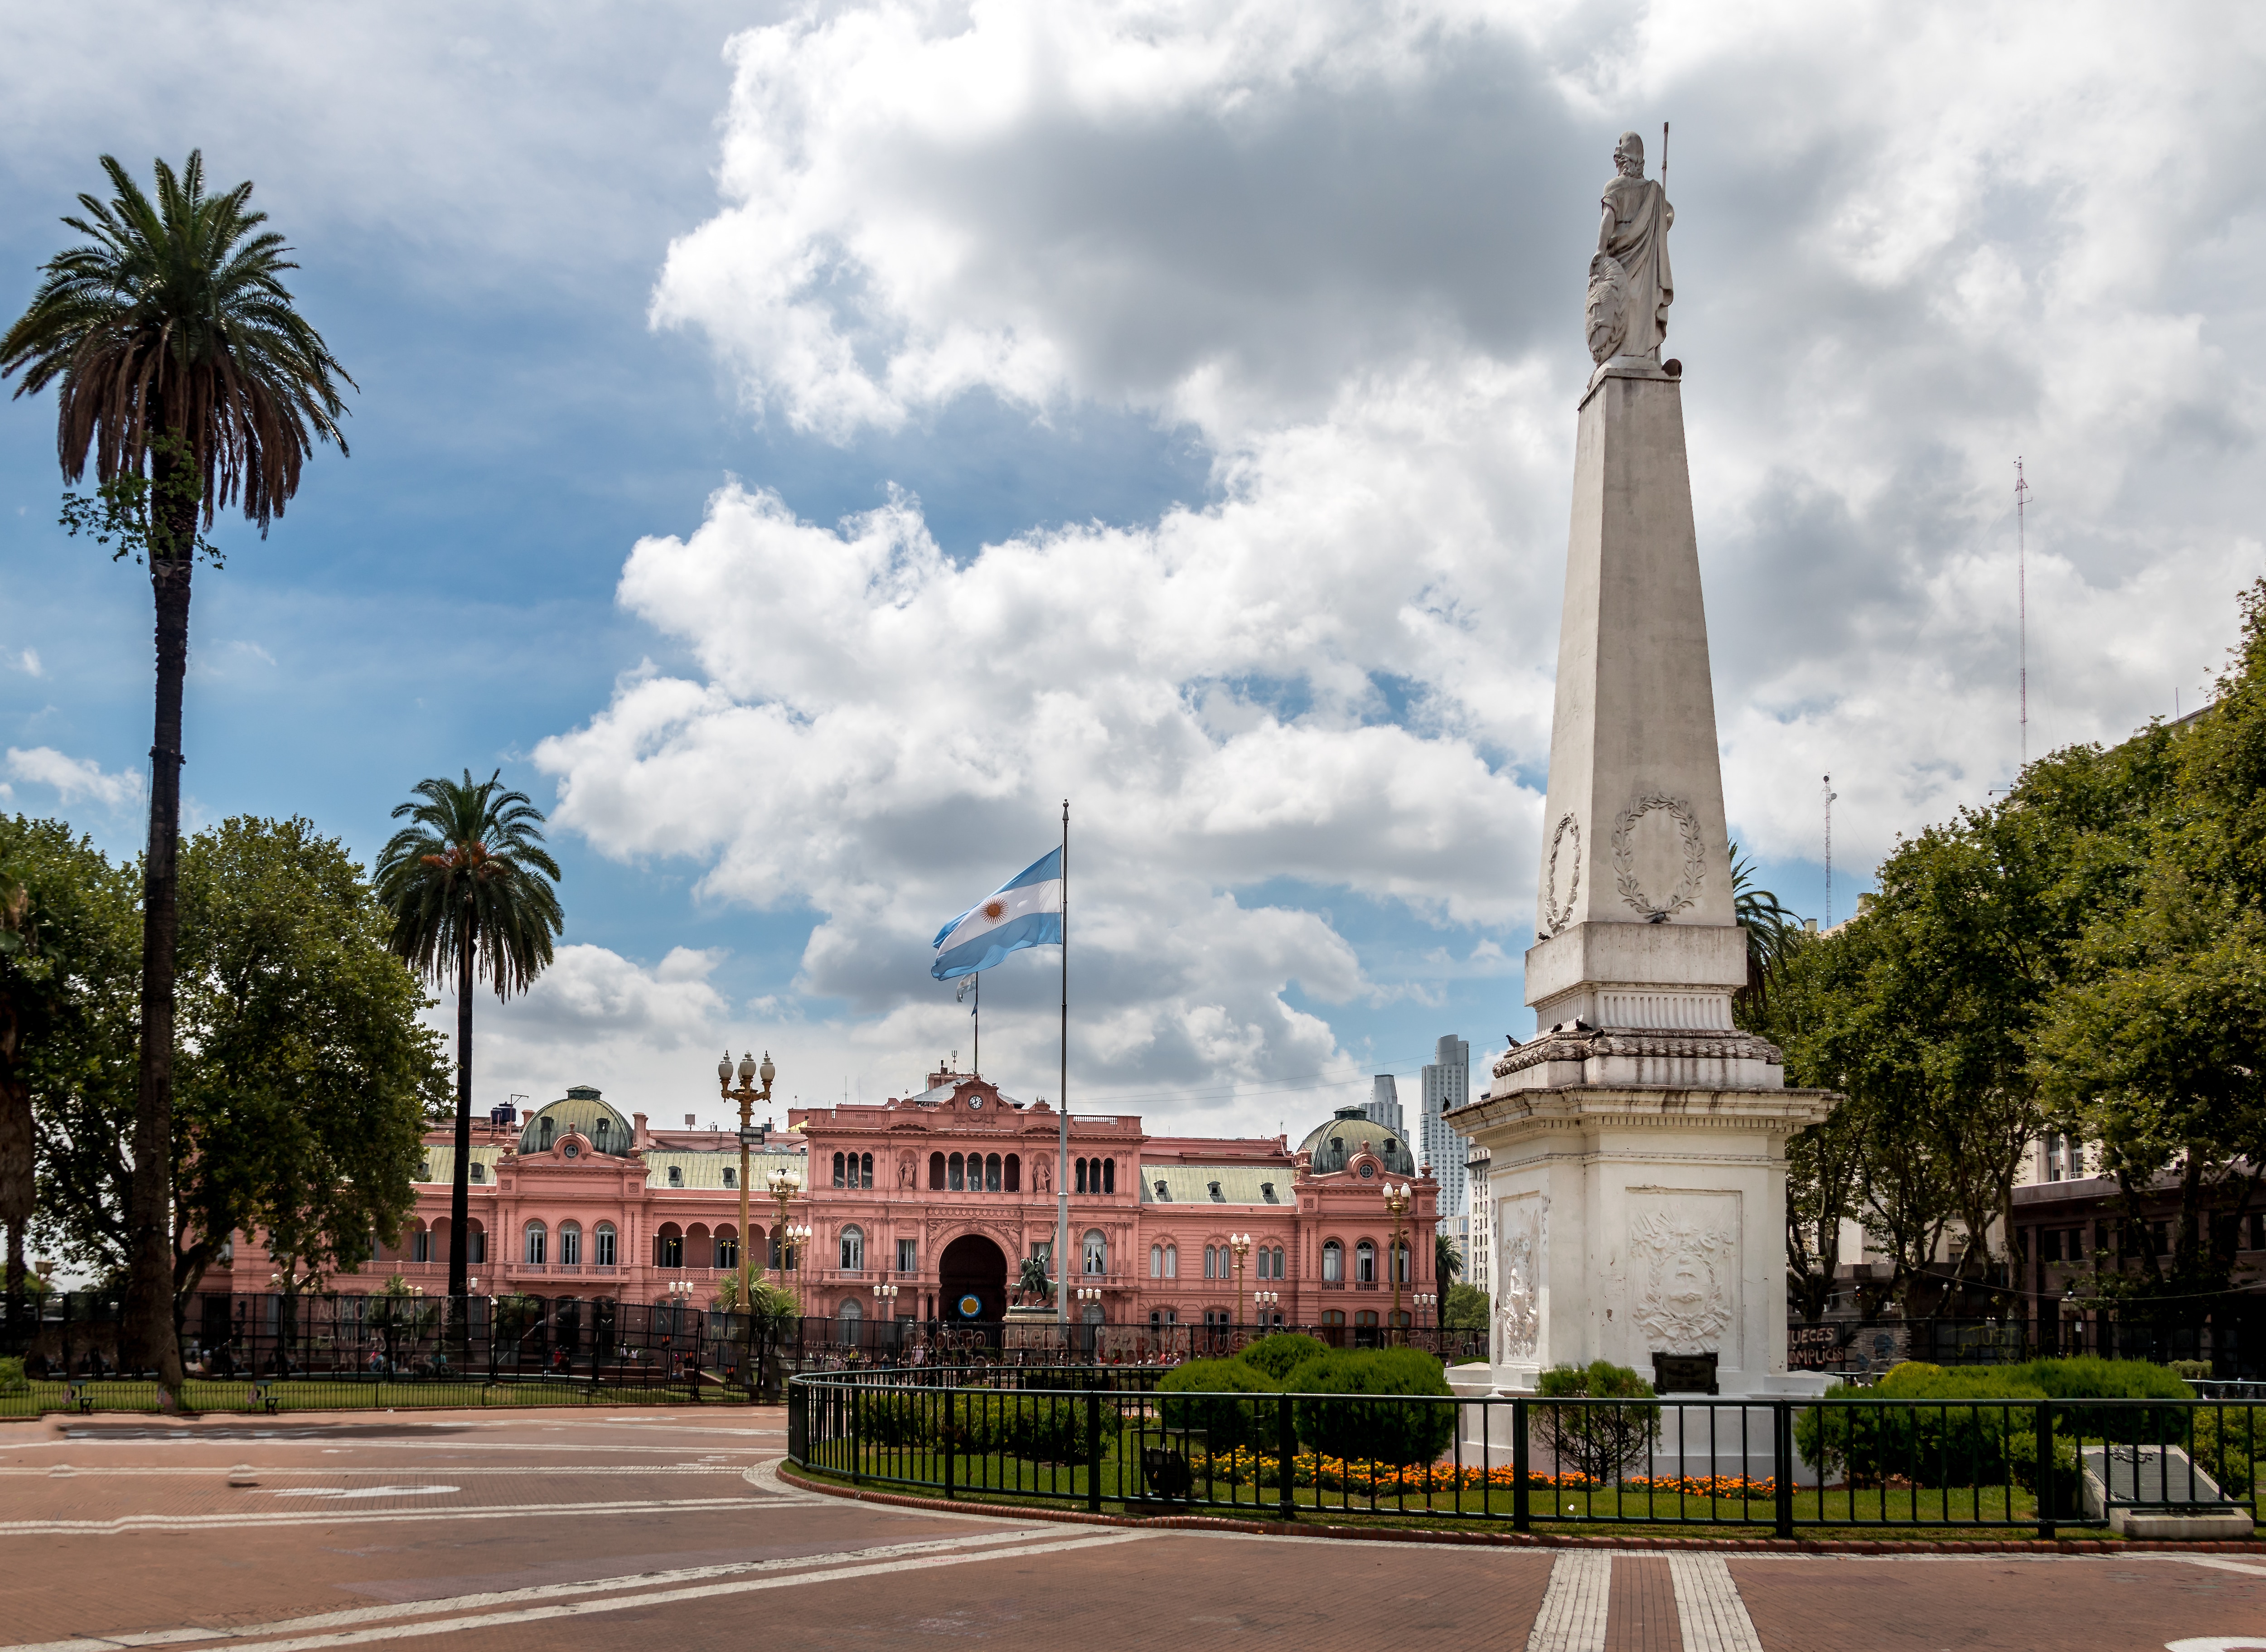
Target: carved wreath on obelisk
1555	916
1695	856
1683	1299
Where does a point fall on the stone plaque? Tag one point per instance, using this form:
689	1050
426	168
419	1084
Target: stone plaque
1683	1374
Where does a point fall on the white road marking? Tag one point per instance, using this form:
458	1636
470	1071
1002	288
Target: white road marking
365	1491
625	1602
347	1617
1708	1607
2215	1643
2215	1564
1572	1614
207	1470
247	1522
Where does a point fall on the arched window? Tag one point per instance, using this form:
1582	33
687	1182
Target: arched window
1014	1172
480	1171
1259	1263
1172	1261
1364	1263
1081	1176
731	1175
865	1170
1097	1251
669	1246
598	1132
850	1309
538	1238
853	1249
728	1251
1332	1263
549	1126
1110	1175
838	1169
956	1169
935	1172
476	1243
991	1173
1156	1261
421	1245
677	1175
1400	1263
1208	1264
1278	1262
570	1244
1366	1319
1333	1316
602	1243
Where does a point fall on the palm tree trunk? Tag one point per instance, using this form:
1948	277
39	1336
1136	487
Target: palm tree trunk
148	1331
460	1197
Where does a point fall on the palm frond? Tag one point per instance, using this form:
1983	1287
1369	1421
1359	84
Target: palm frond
173	316
470	875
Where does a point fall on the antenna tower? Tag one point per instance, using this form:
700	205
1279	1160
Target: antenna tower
1830	795
2023	602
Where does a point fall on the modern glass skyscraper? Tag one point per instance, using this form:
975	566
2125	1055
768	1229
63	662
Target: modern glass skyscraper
1447	1084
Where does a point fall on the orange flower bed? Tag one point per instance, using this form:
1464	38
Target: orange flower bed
1244	1465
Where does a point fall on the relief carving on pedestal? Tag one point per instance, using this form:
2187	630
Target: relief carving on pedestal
1522	1252
1684	1271
1693	847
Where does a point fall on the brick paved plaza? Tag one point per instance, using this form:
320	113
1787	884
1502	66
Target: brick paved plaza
590	1529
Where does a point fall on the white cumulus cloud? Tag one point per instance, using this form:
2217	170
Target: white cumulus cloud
74	778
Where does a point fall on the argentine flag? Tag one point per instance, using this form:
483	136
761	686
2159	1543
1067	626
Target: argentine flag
1024	912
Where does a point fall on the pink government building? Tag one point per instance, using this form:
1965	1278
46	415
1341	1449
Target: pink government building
940	1195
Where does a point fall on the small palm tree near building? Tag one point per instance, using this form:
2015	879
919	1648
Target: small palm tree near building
469	885
180	363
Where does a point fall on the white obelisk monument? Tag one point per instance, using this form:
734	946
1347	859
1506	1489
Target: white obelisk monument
1638	1142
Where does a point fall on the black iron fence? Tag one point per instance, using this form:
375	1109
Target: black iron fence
1100	1437
279	1351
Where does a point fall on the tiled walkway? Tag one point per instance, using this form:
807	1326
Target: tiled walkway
669	1530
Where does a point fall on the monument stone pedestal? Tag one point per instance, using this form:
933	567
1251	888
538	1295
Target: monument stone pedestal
1637	1143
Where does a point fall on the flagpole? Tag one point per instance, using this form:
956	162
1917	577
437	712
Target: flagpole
978	1013
1062	1103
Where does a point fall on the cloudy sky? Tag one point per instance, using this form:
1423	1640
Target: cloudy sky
803	445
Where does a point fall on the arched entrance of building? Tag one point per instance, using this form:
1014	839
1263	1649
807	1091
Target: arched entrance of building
972	1279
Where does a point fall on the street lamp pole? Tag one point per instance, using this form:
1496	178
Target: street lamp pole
1240	1243
747	1095
1396	1202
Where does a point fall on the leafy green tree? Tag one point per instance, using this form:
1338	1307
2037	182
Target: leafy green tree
178	358
2155	1045
468	883
1467	1308
68	920
304	1079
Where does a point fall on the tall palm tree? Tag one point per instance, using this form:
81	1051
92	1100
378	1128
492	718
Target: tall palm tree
179	358
1773	930
469	886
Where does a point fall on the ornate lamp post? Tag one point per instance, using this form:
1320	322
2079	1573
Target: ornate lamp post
1396	1204
784	1185
1240	1243
1265	1301
747	1095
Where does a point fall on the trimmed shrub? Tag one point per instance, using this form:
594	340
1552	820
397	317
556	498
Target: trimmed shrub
1601	1442
1048	1429
1281	1354
1383	1431
2089	1378
1225	1423
11	1377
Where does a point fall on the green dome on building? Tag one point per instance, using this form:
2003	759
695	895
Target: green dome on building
1334	1145
581	1112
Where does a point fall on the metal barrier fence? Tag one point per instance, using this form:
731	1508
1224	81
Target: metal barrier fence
1094	1437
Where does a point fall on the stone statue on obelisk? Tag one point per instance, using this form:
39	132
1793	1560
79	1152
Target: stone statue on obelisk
1638	1140
1630	283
